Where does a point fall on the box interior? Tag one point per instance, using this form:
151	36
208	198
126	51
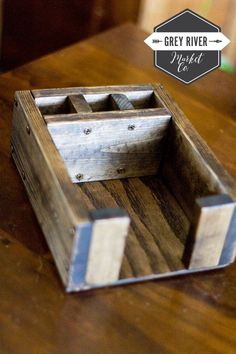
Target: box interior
143	164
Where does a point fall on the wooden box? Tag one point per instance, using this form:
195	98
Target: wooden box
92	158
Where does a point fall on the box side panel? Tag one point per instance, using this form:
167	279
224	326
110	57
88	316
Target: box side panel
39	165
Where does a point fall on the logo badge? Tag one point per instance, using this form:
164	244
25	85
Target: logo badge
187	46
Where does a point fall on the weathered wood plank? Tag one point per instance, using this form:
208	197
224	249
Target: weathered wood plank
153	245
121	102
123	115
205	243
128	89
107	246
191	170
53	197
97	97
229	251
211	164
100	149
79	104
186	172
60	209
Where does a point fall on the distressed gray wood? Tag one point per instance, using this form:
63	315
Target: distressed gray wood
134	90
191	170
207	238
120	101
107	147
57	206
141	96
79	104
60	208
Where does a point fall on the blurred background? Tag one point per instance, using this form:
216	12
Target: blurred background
32	28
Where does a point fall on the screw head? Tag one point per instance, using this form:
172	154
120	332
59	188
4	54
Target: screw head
87	131
120	170
28	129
79	176
72	231
131	127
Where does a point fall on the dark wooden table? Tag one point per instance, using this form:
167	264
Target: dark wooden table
192	314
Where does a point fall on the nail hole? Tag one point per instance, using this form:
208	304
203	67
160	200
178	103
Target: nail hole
16	103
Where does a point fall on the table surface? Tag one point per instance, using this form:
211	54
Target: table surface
191	314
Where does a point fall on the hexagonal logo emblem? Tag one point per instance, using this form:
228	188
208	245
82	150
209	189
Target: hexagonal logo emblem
187	46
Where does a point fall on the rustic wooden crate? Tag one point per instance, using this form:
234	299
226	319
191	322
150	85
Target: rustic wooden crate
64	139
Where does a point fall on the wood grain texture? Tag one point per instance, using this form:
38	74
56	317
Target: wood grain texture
213	216
67	227
79	104
121	102
154	244
57	207
109	145
193	153
189	165
131	91
106	249
185	314
101	146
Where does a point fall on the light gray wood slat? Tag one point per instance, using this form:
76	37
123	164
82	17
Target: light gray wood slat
110	148
138	89
70	118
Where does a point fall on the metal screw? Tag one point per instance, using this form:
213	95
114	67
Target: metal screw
28	129
87	131
131	127
120	170
79	176
72	230
55	215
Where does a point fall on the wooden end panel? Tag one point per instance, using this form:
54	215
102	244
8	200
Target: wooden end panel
99	249
111	145
207	240
228	254
109	232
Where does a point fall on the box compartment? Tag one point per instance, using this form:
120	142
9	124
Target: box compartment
126	153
